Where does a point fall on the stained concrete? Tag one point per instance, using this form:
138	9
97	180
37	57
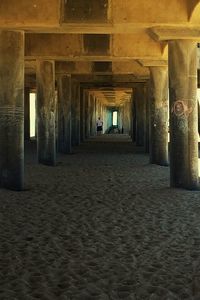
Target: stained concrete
64	114
46	112
12	110
75	113
140	115
183	114
26	114
87	114
159	114
82	115
93	117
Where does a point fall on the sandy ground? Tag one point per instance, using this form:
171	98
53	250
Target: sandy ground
102	225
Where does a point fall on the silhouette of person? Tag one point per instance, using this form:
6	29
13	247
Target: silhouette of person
99	126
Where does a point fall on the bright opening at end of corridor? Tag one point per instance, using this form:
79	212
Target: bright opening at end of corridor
32	100
115	118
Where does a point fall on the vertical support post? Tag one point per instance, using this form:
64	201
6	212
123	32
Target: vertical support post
147	143
183	114
64	114
46	112
12	110
87	114
82	115
159	116
140	103
26	113
133	116
92	115
75	113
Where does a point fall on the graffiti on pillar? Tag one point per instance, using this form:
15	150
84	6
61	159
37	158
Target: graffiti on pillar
181	108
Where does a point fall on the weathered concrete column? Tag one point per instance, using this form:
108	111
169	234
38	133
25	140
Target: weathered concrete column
133	117
64	114
126	117
82	115
140	103
26	114
75	113
46	112
183	114
159	115
98	109
147	143
198	105
92	115
120	117
87	114
12	110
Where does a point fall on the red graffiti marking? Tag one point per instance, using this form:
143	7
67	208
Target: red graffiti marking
180	108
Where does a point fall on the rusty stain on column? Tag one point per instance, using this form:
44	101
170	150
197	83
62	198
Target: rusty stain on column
64	114
46	112
183	114
12	110
159	115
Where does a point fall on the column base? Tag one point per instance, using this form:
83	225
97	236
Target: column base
195	187
47	163
163	164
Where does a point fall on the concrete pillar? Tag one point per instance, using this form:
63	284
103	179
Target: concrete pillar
98	109
26	114
64	114
95	117
133	117
92	115
183	114
82	115
126	123
105	118
120	117
140	102
147	143
126	117
75	113
46	112
159	116
87	114
12	110
198	105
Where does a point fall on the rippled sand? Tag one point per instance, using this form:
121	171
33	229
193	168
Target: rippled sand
102	225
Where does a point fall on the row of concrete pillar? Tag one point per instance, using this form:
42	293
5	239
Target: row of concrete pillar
182	73
67	112
181	110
